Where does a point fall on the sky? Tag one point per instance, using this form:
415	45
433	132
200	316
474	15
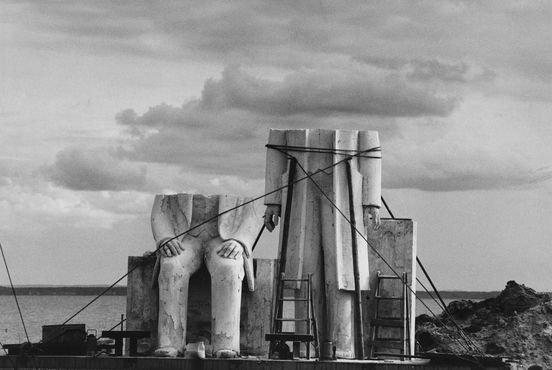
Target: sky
104	104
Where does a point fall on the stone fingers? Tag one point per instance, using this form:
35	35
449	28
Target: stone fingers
230	249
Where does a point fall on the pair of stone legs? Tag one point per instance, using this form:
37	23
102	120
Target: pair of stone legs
226	284
333	306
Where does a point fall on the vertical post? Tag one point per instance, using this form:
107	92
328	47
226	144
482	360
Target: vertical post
277	324
309	313
406	317
358	299
285	234
122	329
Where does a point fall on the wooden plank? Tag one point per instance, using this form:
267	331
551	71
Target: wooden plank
150	363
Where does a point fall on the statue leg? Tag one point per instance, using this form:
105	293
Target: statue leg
226	286
339	303
313	263
174	277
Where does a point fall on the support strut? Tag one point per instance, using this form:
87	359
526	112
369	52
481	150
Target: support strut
359	330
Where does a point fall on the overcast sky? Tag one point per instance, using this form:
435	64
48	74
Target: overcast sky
105	103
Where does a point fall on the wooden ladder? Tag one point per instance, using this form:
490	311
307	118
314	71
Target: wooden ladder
379	321
279	337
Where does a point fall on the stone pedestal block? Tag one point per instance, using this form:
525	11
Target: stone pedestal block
256	307
395	241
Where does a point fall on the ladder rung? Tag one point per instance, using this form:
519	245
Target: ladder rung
392	318
389	277
286	279
377	354
398	323
290	337
294	299
393	344
290	319
389	298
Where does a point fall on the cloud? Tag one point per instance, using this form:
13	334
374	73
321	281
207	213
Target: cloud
96	169
196	140
431	38
224	132
461	173
477	149
41	206
324	92
432	69
300	33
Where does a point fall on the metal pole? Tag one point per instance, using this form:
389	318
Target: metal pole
285	234
277	324
358	299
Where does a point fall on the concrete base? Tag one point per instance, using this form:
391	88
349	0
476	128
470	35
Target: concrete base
124	363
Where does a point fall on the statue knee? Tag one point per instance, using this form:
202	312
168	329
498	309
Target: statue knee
170	267
229	268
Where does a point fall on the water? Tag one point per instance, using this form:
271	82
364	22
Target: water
433	306
101	315
41	310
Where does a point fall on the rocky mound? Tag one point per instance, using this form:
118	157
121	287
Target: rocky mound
516	324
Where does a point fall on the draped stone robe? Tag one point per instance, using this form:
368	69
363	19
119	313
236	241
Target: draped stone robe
313	220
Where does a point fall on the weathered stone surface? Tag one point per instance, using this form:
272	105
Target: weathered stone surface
142	302
319	237
256	307
395	242
256	313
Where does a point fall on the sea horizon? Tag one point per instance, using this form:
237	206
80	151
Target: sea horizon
93	289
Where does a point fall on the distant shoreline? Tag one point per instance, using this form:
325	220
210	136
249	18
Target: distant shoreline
121	291
63	290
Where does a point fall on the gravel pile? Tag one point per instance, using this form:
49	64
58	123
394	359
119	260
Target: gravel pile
517	324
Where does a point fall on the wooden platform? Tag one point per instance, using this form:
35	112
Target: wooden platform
152	363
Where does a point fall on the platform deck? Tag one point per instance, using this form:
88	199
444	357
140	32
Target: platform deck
152	363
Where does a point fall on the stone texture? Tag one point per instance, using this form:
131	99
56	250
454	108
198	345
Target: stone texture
395	241
256	309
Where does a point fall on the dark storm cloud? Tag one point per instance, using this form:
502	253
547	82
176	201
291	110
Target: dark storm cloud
324	92
82	169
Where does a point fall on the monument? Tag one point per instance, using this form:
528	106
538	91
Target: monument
342	168
330	230
223	243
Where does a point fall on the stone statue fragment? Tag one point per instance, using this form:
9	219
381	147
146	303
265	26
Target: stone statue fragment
223	243
320	238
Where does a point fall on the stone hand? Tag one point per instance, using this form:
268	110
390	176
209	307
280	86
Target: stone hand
271	216
171	249
230	249
371	215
